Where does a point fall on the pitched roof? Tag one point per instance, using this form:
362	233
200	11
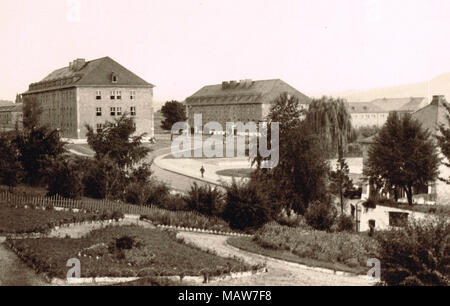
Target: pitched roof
399	104
246	91
11	108
95	73
433	115
364	107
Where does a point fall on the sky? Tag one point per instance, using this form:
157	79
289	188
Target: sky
319	46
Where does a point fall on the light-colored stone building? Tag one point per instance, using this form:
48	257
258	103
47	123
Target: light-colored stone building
92	92
11	117
244	101
376	112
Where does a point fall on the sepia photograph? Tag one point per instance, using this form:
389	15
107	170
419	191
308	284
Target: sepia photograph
224	150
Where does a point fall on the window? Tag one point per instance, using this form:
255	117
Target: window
98	95
113	95
98	111
119	111
133	111
133	95
113	111
118	95
99	127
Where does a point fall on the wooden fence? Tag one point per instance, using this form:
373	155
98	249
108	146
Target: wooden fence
98	206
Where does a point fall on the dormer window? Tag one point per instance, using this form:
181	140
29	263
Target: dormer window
114	78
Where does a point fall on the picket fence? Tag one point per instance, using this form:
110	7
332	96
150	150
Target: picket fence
90	205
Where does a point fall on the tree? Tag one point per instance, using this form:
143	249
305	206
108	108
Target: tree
330	119
302	172
37	148
32	111
340	181
117	143
10	167
65	178
403	154
205	199
173	112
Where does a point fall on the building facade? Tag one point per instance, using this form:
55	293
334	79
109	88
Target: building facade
92	93
376	112
11	117
244	101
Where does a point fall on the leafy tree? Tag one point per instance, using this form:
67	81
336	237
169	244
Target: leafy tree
403	155
104	179
416	255
65	178
330	119
173	112
205	199
246	207
32	111
37	148
301	174
321	215
117	143
10	167
340	181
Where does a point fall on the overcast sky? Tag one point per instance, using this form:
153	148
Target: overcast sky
182	45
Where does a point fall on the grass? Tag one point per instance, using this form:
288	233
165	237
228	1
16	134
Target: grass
21	220
156	253
249	245
344	251
243	172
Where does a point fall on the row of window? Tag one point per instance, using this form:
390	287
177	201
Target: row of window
115	95
101	125
368	115
113	111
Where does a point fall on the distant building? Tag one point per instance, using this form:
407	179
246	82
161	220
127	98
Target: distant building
92	92
244	101
431	117
11	116
377	111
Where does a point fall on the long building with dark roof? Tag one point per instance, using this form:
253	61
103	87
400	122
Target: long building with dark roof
244	101
92	92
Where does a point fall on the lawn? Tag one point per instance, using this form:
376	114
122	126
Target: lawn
125	251
337	251
21	220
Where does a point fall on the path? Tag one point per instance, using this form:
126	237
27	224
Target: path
13	272
280	273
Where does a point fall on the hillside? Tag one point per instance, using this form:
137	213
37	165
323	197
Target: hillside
439	85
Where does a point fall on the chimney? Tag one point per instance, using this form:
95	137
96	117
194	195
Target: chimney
225	85
248	83
437	99
233	84
78	64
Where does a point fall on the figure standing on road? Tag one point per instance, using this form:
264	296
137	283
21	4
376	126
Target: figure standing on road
202	171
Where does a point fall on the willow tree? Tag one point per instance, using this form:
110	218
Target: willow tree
330	119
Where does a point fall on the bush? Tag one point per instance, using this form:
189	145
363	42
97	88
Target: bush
345	223
159	193
175	203
245	208
65	179
418	254
205	199
321	215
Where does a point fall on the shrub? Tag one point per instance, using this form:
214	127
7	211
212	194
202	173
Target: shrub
345	223
418	254
245	208
65	179
321	215
205	199
159	193
175	203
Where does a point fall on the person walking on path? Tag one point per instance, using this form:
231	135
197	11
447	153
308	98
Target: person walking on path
202	171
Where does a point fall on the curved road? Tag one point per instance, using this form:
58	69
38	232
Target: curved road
280	273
